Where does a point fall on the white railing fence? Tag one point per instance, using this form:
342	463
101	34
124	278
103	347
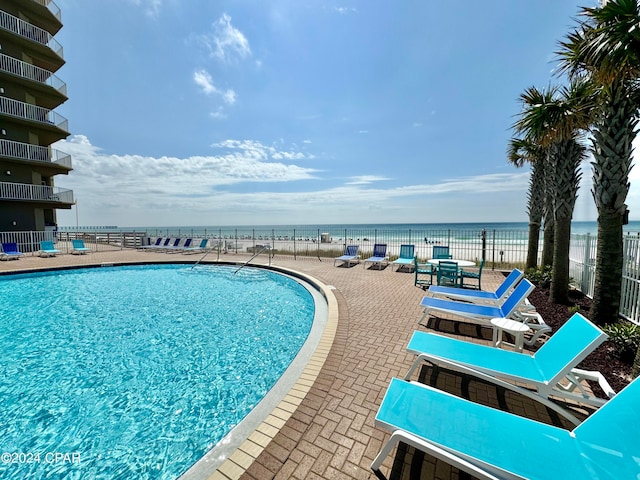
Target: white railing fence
501	249
582	266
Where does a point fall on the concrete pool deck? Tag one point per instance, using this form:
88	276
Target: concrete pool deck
324	428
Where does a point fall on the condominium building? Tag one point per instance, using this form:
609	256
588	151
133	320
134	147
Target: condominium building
29	93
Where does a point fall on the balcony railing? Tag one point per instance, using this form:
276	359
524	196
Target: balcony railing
31	72
33	33
24	110
27	151
53	8
25	191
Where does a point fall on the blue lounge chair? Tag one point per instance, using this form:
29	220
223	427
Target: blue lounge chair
550	365
493	444
475	313
10	251
79	248
200	248
177	247
158	246
151	245
475	296
379	256
47	249
406	258
350	256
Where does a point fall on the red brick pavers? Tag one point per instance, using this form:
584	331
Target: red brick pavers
331	435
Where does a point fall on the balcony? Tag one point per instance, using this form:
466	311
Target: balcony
52	7
30	32
35	153
28	71
36	193
33	113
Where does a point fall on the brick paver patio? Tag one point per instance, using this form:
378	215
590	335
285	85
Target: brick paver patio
331	435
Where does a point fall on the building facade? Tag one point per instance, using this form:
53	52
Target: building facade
29	93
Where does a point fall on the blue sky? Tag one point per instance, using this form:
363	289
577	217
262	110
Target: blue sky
252	112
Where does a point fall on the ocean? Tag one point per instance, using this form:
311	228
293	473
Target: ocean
400	230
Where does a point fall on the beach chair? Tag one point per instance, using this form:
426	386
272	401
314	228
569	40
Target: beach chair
476	313
47	249
350	256
475	296
423	274
10	251
79	248
150	245
158	246
492	444
173	246
177	247
200	248
550	371
406	258
379	256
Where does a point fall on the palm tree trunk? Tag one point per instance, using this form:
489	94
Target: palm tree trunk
613	137
532	246
548	240
559	292
608	279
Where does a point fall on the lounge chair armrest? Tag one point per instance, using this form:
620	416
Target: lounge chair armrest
420	444
577	375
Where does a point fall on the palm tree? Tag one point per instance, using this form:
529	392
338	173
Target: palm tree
519	152
606	48
554	120
534	133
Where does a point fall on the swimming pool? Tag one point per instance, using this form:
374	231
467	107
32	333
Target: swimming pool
137	371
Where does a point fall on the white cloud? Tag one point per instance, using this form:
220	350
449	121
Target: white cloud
226	42
203	79
366	179
345	10
135	190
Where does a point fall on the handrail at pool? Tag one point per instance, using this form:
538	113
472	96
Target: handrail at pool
264	247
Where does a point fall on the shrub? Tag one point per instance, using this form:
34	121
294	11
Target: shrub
540	276
625	338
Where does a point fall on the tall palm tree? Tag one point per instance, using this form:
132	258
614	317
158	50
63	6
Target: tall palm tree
606	48
534	133
519	152
555	120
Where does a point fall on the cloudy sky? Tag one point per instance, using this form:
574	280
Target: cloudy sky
253	112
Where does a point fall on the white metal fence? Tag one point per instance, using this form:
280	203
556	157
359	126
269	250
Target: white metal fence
501	249
582	271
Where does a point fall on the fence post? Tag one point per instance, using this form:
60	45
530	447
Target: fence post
586	264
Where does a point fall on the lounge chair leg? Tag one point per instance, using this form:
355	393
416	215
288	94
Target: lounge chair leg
386	450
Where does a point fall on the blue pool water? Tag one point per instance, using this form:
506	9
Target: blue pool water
137	371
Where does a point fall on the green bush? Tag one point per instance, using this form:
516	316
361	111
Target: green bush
540	276
574	309
625	338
